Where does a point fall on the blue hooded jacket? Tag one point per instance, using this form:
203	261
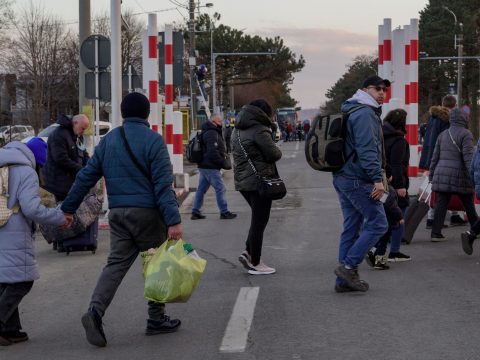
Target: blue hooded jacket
126	185
365	138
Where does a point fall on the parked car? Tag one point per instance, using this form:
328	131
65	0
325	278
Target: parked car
105	127
15	132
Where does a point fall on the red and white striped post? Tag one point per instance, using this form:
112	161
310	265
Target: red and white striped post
177	159
381	69
412	118
398	76
169	89
150	71
387	59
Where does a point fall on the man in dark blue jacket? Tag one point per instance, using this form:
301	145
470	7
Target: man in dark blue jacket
359	184
214	158
143	208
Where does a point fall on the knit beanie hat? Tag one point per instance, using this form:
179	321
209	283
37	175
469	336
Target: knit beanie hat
135	105
39	150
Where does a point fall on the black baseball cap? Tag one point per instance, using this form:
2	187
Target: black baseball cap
375	80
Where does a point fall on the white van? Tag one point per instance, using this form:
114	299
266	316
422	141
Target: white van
15	132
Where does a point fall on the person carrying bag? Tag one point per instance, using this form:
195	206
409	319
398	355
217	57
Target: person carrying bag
256	176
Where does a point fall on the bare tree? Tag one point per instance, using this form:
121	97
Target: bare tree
36	55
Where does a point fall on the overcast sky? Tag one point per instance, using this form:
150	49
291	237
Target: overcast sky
329	34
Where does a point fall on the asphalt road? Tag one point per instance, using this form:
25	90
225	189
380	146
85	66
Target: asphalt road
427	308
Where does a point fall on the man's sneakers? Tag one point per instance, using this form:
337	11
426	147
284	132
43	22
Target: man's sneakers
381	262
197	216
370	258
398	257
456	220
246	260
92	323
343	287
228	215
434	237
351	278
467	242
12	337
261	269
163	326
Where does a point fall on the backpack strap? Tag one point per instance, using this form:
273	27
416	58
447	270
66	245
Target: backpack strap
132	155
346	116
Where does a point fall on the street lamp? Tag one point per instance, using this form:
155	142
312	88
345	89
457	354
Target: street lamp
459	46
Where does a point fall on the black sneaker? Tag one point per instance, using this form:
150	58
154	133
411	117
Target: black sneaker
197	216
456	220
163	326
246	260
430	224
92	322
437	237
467	242
343	288
351	278
370	258
228	215
398	257
15	336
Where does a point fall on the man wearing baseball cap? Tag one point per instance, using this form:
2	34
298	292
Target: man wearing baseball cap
360	182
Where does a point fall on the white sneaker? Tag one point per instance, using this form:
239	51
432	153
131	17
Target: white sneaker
261	269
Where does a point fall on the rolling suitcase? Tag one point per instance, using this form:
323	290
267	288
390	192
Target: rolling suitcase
86	241
416	212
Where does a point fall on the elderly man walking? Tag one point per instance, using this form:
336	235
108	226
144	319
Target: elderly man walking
213	160
138	174
359	183
66	155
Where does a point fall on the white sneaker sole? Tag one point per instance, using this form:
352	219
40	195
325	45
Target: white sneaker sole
398	260
256	272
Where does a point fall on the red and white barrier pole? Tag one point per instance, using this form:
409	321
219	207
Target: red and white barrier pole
177	158
169	89
150	71
387	59
381	38
412	119
399	75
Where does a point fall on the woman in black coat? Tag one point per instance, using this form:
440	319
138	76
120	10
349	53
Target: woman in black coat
253	134
397	153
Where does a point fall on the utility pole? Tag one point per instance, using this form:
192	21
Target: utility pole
116	60
459	70
84	30
191	61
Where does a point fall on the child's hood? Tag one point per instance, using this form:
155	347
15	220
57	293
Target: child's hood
16	153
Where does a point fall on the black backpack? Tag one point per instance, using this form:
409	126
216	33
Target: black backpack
194	149
324	145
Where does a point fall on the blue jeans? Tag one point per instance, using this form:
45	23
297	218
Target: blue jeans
364	220
211	177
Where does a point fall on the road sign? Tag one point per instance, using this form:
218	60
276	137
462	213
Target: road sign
104	86
87	52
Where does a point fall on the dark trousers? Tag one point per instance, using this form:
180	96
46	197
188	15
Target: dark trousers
131	230
442	205
260	216
10	297
228	140
381	246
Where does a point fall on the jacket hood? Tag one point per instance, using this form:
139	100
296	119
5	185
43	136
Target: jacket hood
16	153
64	121
458	118
389	130
362	98
440	112
251	115
207	125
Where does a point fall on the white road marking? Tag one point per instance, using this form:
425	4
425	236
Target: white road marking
297	146
186	206
236	333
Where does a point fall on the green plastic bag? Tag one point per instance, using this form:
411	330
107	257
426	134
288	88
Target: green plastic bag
171	275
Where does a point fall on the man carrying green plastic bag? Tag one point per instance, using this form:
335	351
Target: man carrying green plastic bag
171	272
